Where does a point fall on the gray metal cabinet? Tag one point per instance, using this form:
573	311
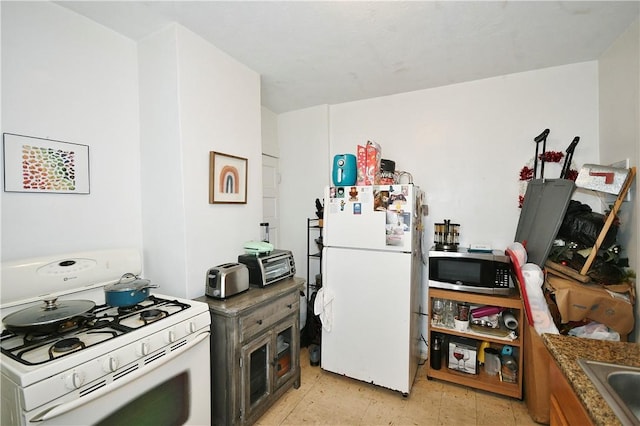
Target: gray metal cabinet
255	350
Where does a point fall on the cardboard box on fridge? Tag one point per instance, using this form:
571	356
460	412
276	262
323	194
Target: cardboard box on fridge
368	158
578	301
361	159
374	156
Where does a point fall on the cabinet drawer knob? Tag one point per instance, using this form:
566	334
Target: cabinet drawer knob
259	322
289	305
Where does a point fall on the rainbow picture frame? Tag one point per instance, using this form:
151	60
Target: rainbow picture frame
33	164
227	179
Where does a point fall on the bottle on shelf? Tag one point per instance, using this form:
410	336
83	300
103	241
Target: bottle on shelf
265	231
436	353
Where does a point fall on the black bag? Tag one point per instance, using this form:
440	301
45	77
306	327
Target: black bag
582	226
312	331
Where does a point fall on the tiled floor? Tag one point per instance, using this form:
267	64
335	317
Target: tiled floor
329	399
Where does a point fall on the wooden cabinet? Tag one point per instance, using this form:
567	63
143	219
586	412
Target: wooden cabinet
481	380
255	350
565	408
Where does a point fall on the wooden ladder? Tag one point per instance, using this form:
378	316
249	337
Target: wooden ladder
582	276
610	218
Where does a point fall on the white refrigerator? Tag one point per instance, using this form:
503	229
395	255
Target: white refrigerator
369	303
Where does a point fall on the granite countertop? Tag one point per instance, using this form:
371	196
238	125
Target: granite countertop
566	351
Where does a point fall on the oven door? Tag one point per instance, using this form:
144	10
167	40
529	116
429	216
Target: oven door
174	392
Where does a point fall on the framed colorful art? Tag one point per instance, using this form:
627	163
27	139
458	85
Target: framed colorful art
33	164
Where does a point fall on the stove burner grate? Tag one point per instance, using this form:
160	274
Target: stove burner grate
26	346
124	310
152	315
66	345
69	344
35	337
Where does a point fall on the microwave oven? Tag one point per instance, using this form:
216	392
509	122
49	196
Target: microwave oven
475	272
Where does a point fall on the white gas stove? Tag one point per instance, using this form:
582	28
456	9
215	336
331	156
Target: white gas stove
108	362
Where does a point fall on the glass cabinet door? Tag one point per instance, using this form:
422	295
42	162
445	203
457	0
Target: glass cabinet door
256	373
285	360
268	362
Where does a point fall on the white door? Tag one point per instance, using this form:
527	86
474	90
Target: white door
270	193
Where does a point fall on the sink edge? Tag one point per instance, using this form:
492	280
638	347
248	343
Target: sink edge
598	377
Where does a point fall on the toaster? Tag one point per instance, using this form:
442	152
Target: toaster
227	280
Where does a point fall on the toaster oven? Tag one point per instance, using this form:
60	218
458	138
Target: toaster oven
268	268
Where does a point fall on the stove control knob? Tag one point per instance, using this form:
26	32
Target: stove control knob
110	364
143	349
74	380
171	337
192	327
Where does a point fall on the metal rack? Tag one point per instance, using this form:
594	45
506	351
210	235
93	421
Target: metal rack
314	231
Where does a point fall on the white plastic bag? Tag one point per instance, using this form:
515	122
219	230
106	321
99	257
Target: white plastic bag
595	330
542	319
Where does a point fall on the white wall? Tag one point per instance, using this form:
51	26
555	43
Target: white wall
202	101
68	79
465	144
304	151
619	70
162	174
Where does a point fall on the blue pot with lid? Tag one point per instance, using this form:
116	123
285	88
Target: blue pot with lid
128	291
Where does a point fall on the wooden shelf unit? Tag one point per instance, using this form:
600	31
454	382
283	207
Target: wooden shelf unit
482	380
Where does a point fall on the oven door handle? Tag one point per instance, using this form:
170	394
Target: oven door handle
57	410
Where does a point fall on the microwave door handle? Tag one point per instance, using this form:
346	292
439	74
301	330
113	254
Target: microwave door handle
60	409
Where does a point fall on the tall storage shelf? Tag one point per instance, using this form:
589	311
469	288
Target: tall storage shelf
314	252
482	380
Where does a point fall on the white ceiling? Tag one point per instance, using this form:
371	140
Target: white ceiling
320	52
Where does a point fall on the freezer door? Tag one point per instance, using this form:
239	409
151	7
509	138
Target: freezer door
367	296
370	217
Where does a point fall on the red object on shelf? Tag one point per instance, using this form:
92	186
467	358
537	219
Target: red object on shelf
484	311
523	286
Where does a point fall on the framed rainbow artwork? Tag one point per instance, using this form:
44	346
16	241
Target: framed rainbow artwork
227	179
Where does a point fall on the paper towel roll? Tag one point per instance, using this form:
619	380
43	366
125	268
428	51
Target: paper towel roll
510	321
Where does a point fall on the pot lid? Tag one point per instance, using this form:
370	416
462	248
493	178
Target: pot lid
49	313
129	282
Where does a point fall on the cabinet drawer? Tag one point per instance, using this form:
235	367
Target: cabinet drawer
264	317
